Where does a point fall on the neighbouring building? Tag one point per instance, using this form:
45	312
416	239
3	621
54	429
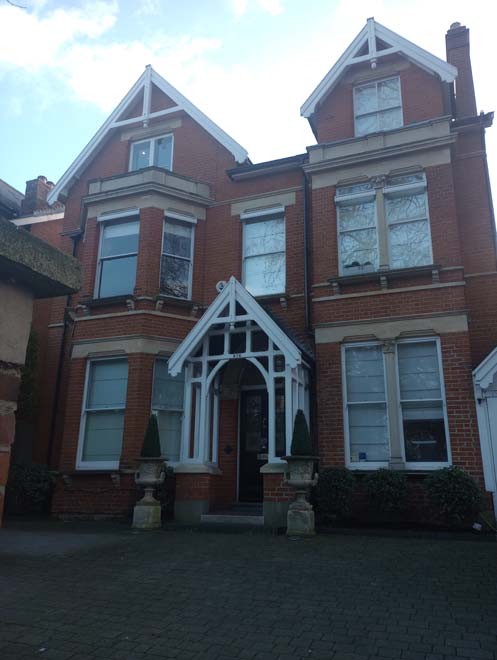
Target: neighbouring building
29	269
356	281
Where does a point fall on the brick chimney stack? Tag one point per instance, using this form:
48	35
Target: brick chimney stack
457	47
36	195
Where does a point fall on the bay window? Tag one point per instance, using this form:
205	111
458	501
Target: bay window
264	262
116	271
167	405
394	404
156	151
102	420
383	224
377	106
177	259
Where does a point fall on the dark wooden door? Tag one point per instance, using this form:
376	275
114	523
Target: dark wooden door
253	444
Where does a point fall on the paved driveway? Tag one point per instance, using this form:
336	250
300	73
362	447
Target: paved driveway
78	592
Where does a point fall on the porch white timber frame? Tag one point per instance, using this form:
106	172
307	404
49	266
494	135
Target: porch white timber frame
235	327
485	387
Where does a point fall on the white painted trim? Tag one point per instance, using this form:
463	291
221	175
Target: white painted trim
182	217
259	213
35	219
234	291
153	139
98	273
65	182
484	373
376	83
96	465
419	56
117	215
374	465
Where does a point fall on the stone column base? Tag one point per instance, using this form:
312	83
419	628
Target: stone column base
147	516
300	522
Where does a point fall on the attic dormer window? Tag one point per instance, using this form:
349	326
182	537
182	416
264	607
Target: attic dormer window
157	151
377	106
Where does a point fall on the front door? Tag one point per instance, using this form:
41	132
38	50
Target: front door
253	444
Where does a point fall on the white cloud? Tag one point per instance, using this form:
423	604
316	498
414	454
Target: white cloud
241	7
31	41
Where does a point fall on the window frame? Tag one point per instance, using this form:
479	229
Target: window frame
423	465
376	112
375	465
98	275
409	188
266	217
97	465
177	221
360	465
152	139
383	227
154	410
343	200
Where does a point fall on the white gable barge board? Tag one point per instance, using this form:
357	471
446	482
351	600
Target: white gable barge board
232	293
395	44
148	77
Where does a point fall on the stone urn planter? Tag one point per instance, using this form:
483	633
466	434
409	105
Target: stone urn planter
300	517
150	475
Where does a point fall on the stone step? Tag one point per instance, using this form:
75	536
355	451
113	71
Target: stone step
232	519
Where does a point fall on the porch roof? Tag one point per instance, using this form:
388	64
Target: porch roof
234	292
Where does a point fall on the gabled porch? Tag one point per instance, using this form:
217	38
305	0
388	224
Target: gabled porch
245	379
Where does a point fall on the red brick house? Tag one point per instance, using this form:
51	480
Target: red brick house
356	281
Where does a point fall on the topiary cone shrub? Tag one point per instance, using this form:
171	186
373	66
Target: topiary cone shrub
454	495
333	494
151	442
386	491
301	438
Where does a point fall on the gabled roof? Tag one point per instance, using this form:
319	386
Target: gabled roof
144	83
372	42
232	293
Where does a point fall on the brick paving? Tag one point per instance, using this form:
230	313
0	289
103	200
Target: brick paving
220	596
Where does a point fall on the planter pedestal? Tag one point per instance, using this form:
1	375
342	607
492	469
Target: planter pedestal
300	517
147	512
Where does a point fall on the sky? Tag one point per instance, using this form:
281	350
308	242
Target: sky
248	64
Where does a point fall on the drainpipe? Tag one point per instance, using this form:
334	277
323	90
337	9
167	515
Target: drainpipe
60	363
307	260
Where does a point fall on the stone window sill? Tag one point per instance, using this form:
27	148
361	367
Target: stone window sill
383	277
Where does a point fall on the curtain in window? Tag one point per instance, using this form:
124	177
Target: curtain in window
104	411
366	404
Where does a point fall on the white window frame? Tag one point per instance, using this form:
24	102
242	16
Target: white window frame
153	140
360	465
375	465
363	196
102	225
381	227
255	218
96	465
376	112
413	189
154	410
422	465
174	220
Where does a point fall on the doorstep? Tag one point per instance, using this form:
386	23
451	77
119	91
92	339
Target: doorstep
241	514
